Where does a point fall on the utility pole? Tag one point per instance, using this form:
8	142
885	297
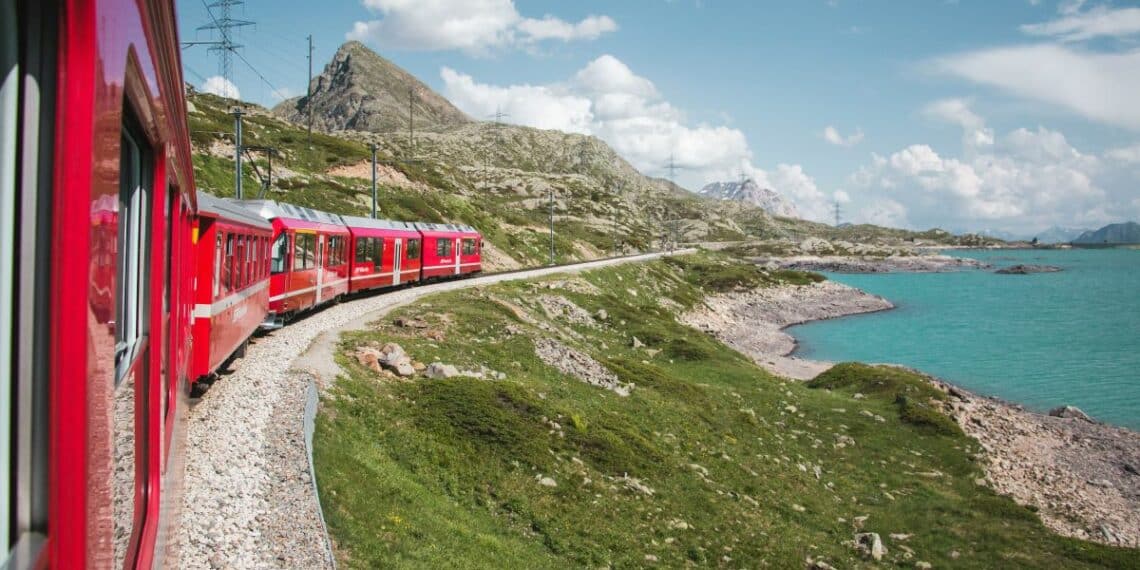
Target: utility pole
411	121
552	225
237	151
614	230
373	147
309	92
225	47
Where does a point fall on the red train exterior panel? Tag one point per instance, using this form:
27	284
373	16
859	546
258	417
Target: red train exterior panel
231	297
384	253
450	250
308	257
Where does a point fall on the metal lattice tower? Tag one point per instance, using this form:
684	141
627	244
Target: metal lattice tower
224	23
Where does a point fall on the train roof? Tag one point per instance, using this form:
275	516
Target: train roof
270	209
453	228
229	209
374	224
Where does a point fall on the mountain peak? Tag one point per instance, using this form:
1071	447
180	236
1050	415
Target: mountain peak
752	193
360	90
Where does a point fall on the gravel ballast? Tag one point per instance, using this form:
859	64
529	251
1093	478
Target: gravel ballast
249	499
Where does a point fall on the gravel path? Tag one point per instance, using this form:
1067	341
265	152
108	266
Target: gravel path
249	499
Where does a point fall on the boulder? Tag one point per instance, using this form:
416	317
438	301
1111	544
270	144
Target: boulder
439	370
870	545
403	369
1070	412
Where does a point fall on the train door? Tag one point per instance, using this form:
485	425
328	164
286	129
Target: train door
320	266
457	256
397	261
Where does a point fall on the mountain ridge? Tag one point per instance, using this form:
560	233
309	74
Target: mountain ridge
1114	234
749	192
361	90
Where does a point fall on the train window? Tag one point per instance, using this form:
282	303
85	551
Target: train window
413	249
468	247
279	254
363	246
304	252
443	247
377	252
132	339
228	265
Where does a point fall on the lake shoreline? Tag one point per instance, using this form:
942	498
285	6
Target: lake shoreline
1082	477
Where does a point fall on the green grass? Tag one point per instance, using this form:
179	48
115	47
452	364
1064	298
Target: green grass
429	474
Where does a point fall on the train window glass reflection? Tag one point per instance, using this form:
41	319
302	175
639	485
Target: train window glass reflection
279	253
377	252
134	242
132	374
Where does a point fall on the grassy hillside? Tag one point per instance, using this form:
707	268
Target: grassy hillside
710	461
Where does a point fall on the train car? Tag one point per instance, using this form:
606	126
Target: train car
95	275
450	250
308	261
231	291
386	253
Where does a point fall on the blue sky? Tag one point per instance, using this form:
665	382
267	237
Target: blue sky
1012	115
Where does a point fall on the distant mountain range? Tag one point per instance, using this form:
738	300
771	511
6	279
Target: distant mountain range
1125	233
750	192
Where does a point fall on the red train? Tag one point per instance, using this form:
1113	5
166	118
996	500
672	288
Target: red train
120	285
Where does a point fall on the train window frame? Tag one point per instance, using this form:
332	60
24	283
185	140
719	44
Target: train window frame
132	378
469	246
218	263
413	249
278	251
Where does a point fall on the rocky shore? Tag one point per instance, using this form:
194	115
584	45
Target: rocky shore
866	264
753	322
1082	477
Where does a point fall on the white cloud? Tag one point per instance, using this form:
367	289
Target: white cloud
537	106
221	87
1077	26
831	135
474	26
1129	154
1024	181
609	100
1099	86
550	27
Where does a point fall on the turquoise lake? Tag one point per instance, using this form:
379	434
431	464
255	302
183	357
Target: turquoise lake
1041	340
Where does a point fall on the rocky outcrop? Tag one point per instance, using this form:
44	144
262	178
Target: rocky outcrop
359	90
1027	269
580	365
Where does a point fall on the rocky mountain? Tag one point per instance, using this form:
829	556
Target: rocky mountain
749	192
1058	234
360	90
1126	233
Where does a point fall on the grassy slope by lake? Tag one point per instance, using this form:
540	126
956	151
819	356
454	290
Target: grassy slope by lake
710	461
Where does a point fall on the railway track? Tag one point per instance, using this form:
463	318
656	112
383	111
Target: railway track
249	497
